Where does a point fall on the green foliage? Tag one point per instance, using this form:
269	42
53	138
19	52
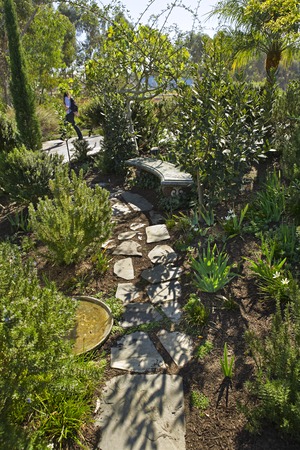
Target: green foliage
204	349
211	269
226	365
81	149
19	221
118	145
92	114
8	134
269	204
22	93
101	261
221	127
273	282
287	130
196	313
41	381
199	401
277	385
116	306
286	241
293	201
233	224
77	217
25	174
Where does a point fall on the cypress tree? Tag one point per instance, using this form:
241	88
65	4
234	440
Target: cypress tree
22	93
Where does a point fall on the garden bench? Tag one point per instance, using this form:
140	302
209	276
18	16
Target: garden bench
172	179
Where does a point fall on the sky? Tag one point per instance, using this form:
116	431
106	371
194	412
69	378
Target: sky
182	18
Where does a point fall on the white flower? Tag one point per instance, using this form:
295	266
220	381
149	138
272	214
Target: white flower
276	275
50	445
285	281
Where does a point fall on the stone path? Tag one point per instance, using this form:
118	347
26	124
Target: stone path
144	408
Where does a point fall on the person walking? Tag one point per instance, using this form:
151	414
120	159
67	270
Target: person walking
71	110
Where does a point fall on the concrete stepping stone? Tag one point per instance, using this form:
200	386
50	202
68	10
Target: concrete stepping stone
162	254
124	269
136	226
126	235
157	233
172	310
179	346
164	292
127	292
142	411
119	208
139	313
161	273
136	352
128	248
109	244
137	202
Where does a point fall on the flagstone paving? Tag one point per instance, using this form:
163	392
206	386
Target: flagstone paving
137	353
162	254
144	410
164	292
138	314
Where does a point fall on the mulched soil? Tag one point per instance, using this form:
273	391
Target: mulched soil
219	426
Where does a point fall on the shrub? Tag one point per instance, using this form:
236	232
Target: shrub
196	313
277	386
8	135
25	174
40	376
81	149
75	218
118	143
270	201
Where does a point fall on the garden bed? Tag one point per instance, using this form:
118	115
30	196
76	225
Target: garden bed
217	426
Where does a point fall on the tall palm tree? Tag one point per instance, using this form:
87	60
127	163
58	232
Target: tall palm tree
262	26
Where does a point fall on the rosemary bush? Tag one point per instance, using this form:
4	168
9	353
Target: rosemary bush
39	375
75	218
277	384
25	174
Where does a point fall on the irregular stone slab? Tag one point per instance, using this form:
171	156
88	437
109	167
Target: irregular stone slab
124	269
138	314
136	226
126	235
142	412
172	310
178	345
109	244
157	233
156	218
128	248
161	273
136	352
164	292
119	208
136	201
127	292
162	254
